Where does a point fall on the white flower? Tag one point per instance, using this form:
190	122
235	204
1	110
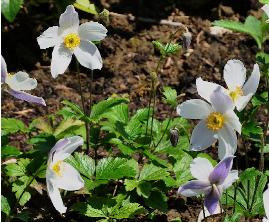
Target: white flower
266	204
71	38
239	90
207	214
265	8
61	175
218	122
19	82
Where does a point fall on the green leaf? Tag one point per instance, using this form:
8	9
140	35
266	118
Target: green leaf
42	124
170	96
264	1
99	109
172	48
251	128
118	113
144	189
252	27
127	210
86	6
5	208
88	210
10	8
116	168
11	125
159	46
74	107
130	184
151	172
17	169
9	151
83	163
19	188
259	100
67	127
157	200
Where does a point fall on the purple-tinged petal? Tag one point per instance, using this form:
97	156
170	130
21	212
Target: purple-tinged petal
220	101
221	171
58	146
195	188
212	199
3	70
27	97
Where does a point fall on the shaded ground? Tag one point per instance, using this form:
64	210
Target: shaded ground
129	57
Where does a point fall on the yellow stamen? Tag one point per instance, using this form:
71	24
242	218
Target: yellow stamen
71	41
57	168
215	121
236	93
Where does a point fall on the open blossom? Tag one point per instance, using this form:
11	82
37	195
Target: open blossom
218	122
265	8
61	175
239	90
266	204
210	181
19	82
71	38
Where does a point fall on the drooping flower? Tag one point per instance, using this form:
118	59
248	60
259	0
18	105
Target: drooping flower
61	175
71	38
266	204
265	8
218	122
210	181
239	90
19	82
207	214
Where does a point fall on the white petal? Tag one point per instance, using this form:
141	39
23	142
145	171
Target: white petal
251	85
64	148
201	137
88	55
234	74
233	121
205	88
220	101
230	179
3	70
61	58
201	168
69	179
49	38
207	214
227	142
21	81
242	101
194	109
54	194
266	201
92	31
265	8
69	20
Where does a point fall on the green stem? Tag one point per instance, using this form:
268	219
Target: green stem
84	109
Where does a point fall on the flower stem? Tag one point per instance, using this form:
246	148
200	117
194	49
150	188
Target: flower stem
84	109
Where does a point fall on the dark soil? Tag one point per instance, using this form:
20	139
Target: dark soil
129	58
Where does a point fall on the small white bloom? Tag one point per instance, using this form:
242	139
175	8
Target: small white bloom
239	90
71	38
265	8
218	122
266	204
61	175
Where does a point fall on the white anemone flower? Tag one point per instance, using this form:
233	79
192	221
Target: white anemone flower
265	8
218	122
61	175
71	38
239	90
266	204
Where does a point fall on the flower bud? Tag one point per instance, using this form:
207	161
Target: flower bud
186	41
174	136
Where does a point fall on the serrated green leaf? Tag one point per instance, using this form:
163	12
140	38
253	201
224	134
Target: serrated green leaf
83	163
67	126
99	109
74	107
116	168
118	113
130	184
86	6
170	96
264	1
252	27
9	151
159	46
128	210
5	208
17	169
251	128
88	210
11	125
10	8
151	172
172	48
19	186
157	200
144	189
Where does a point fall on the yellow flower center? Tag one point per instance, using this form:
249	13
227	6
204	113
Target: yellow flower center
215	121
236	93
71	40
57	168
